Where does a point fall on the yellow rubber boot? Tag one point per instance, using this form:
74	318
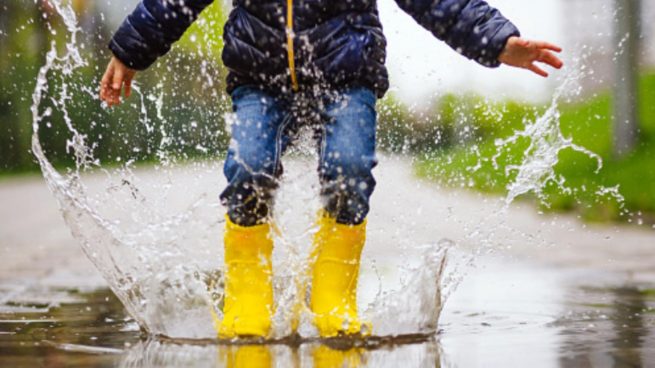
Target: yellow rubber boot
337	252
248	303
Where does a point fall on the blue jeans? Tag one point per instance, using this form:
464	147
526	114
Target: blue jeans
264	128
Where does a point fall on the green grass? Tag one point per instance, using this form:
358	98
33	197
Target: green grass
589	124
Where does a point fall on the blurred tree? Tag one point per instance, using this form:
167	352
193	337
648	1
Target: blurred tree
23	40
192	100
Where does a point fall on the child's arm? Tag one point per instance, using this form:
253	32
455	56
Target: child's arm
480	32
144	36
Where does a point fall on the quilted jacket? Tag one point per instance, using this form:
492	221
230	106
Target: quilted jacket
299	44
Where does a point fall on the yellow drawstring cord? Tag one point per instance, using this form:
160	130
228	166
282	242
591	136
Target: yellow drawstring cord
292	64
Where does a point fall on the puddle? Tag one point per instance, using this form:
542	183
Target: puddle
57	327
523	315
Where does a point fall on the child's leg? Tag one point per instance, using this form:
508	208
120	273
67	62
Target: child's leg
347	158
253	166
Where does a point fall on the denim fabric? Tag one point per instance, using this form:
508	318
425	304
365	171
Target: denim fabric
263	129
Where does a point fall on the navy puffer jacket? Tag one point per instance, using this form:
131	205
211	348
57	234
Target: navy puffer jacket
331	43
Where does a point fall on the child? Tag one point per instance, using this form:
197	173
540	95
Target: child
298	62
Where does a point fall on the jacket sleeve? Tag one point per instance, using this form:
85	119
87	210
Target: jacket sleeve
471	27
152	28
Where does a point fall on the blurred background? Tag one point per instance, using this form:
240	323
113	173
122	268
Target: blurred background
443	112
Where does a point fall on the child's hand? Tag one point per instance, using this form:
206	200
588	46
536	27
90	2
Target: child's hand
523	53
112	82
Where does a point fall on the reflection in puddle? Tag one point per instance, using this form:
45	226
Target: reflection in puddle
63	328
92	328
625	316
522	315
155	353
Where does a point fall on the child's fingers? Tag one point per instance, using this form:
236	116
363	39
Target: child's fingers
537	70
109	96
105	94
117	80
549	58
117	84
105	81
548	46
114	96
128	87
106	78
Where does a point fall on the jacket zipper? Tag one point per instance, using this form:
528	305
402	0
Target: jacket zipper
290	54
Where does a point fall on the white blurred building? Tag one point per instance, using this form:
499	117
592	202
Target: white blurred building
590	23
421	67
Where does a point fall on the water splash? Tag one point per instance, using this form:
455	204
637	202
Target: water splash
154	232
539	159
